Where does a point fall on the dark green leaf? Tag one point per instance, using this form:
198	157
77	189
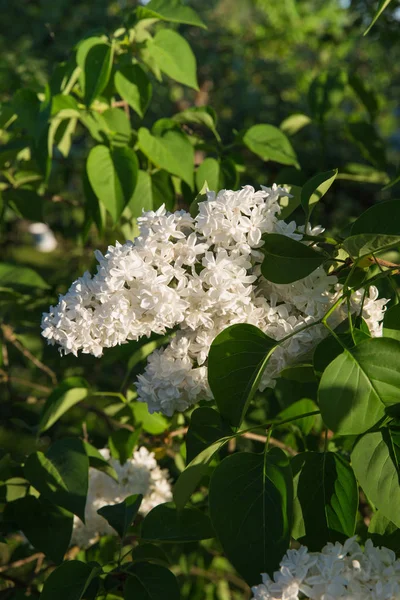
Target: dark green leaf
365	94
269	143
40	520
112	175
299	408
151	582
384	533
162	190
26	203
287	260
133	85
122	443
382	218
62	398
70	580
251	509
206	426
149	552
391	322
170	10
289	204
61	475
376	467
120	516
173	55
172	152
94	57
325	499
315	188
165	523
358	384
96	461
236	362
369	243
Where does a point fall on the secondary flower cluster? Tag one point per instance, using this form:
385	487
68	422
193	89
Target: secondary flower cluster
201	274
139	475
345	572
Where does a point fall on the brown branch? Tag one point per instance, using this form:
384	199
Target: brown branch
22	562
123	104
11	337
111	423
236	581
383	263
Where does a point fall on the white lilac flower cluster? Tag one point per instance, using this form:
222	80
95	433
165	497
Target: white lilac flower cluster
139	475
201	274
338	572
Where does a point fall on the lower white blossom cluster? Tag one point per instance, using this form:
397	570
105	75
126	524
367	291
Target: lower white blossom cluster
201	274
338	572
139	475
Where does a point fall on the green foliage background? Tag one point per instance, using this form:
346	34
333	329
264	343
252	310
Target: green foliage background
325	98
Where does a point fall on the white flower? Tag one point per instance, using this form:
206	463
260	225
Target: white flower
139	475
338	572
201	274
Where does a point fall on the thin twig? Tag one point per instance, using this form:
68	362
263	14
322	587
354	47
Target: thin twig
22	562
236	581
11	337
35	386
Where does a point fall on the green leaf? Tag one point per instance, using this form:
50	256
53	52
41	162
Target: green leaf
199	115
149	552
165	523
209	171
368	243
20	278
376	467
153	424
299	408
70	580
62	398
236	362
370	144
391	322
142	199
112	175
96	461
288	205
363	173
94	57
384	533
325	499
382	218
196	470
133	85
120	516
251	508
117	126
26	203
163	190
122	443
287	260
172	151
269	143
39	520
329	348
170	10
206	427
294	123
358	384
151	582
382	5
173	55
61	475
315	188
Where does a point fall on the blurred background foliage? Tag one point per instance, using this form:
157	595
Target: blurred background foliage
300	65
